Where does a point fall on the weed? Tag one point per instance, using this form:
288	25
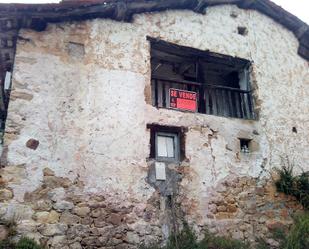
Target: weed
6	244
187	239
261	244
219	242
26	243
298	237
297	186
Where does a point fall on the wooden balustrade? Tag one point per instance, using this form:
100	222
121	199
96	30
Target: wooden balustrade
212	99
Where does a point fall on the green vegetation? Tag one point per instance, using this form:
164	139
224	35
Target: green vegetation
23	243
26	243
219	242
297	186
187	239
296	238
6	244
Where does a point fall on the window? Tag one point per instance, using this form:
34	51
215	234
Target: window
167	146
167	143
220	82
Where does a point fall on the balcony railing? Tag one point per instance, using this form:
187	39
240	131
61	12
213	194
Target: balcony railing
212	99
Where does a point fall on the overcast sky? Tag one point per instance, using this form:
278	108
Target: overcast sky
299	8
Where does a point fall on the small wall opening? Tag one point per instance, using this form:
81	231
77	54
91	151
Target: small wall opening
294	129
245	145
242	30
76	50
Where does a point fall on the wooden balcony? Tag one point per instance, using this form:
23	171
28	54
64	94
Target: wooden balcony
212	99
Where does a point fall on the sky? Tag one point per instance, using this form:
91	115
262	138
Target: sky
299	8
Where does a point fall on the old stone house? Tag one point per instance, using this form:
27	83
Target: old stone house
125	118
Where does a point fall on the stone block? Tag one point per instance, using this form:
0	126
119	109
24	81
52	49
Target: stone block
48	172
114	242
26	226
96	204
78	230
42	205
75	245
87	221
21	95
57	194
230	200
260	191
13	174
63	206
132	238
17	212
100	223
91	242
38	194
81	211
221	208
238	235
47	217
58	241
212	208
274	225
69	218
55	182
115	219
273	243
222	215
6	194
96	213
231	208
3	232
53	229
32	143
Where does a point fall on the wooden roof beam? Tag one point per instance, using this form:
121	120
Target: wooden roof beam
301	31
246	3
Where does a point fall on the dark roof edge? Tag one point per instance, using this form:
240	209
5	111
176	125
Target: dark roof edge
36	16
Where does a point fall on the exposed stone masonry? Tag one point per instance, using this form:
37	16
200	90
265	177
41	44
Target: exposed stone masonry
248	209
59	215
80	106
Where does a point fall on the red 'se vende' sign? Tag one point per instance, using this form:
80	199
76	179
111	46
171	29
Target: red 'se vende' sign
183	100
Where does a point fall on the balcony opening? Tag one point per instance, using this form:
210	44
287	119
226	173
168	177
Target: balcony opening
221	83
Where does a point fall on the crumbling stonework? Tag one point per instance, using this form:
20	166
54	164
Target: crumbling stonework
58	215
246	208
81	90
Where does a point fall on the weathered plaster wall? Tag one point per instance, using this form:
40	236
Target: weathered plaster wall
82	90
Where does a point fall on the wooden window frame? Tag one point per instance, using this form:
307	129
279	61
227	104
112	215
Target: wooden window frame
179	131
176	144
